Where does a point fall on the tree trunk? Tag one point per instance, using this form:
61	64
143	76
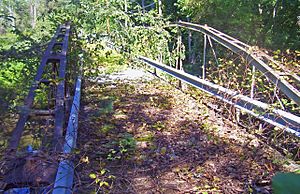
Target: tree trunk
159	8
107	18
190	43
125	10
33	13
47	4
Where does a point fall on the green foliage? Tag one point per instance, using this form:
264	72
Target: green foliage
127	143
107	128
102	178
268	23
12	83
7	40
103	61
124	147
286	183
136	39
146	138
159	126
106	105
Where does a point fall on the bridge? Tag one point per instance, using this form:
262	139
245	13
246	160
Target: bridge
62	80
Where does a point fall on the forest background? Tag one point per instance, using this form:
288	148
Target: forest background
27	25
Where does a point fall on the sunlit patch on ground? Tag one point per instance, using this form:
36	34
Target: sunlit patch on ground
144	136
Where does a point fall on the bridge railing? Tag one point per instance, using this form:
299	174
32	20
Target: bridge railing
253	58
33	168
55	56
261	109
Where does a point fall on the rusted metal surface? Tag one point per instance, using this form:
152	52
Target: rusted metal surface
254	58
60	93
59	42
24	109
33	169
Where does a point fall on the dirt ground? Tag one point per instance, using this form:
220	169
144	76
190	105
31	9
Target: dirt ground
145	136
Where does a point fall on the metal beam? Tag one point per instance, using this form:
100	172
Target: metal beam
263	111
204	56
60	93
47	57
64	177
252	57
150	5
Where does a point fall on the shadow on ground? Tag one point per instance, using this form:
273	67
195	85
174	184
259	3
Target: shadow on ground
146	138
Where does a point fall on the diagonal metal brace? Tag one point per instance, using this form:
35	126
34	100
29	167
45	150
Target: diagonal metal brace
244	50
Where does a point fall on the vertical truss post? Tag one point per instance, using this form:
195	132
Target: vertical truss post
143	6
61	94
204	56
154	71
252	83
254	58
60	106
190	44
213	50
159	8
179	67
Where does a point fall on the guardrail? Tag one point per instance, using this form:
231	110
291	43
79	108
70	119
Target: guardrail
64	177
252	57
33	169
263	111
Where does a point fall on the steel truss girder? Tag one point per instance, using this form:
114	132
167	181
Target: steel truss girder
252	58
263	111
50	55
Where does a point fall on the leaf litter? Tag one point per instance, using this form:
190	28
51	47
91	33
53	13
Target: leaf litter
157	139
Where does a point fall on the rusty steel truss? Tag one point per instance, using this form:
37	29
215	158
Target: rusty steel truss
253	58
263	111
38	168
56	56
